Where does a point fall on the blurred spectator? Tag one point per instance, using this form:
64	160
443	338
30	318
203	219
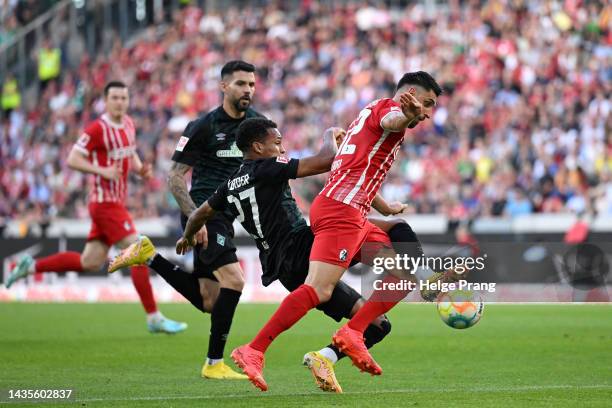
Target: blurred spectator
10	98
517	204
524	124
49	63
17	13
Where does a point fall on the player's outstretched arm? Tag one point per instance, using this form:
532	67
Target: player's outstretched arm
385	208
322	161
77	160
196	221
178	187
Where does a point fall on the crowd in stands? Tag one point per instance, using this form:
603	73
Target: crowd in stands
523	125
15	14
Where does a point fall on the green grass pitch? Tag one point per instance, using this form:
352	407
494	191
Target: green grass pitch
518	356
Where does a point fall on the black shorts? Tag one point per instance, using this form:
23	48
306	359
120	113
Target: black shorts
294	270
221	250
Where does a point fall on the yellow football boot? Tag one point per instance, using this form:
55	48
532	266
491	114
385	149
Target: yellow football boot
221	371
137	253
322	370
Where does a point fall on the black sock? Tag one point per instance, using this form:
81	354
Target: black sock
221	318
185	283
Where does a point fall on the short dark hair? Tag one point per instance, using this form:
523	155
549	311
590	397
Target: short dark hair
237	65
252	130
113	84
421	78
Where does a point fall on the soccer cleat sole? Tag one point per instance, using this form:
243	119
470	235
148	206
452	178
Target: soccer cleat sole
255	379
321	382
362	364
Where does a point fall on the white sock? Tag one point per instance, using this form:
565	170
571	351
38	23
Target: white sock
213	361
154	317
330	354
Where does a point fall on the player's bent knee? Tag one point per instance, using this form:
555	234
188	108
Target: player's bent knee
232	282
207	305
230	277
324	293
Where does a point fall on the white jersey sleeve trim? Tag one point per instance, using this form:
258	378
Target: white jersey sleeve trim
81	149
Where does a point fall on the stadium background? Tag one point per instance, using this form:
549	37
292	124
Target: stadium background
519	151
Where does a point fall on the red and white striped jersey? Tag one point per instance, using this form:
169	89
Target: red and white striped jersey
106	143
364	157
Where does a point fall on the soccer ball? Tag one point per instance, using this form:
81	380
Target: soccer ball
460	309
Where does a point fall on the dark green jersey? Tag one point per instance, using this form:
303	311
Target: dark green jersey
209	146
259	196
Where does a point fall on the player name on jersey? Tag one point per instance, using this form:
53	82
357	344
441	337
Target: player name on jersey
238	182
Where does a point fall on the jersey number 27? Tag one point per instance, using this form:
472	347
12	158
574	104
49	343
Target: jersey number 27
248	194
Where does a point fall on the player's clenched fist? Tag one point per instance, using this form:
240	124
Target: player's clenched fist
146	171
201	237
336	133
184	245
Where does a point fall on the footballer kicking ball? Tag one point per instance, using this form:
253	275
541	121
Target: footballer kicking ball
460	309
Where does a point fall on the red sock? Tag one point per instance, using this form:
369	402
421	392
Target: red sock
378	304
292	309
60	262
142	283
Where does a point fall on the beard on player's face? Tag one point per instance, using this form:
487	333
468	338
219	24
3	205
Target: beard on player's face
242	104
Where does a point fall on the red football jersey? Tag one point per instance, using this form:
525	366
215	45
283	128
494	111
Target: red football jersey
106	143
364	157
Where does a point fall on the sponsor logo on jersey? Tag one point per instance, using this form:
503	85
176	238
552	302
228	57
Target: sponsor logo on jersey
220	137
122	153
182	143
220	240
343	254
233	151
282	159
127	226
